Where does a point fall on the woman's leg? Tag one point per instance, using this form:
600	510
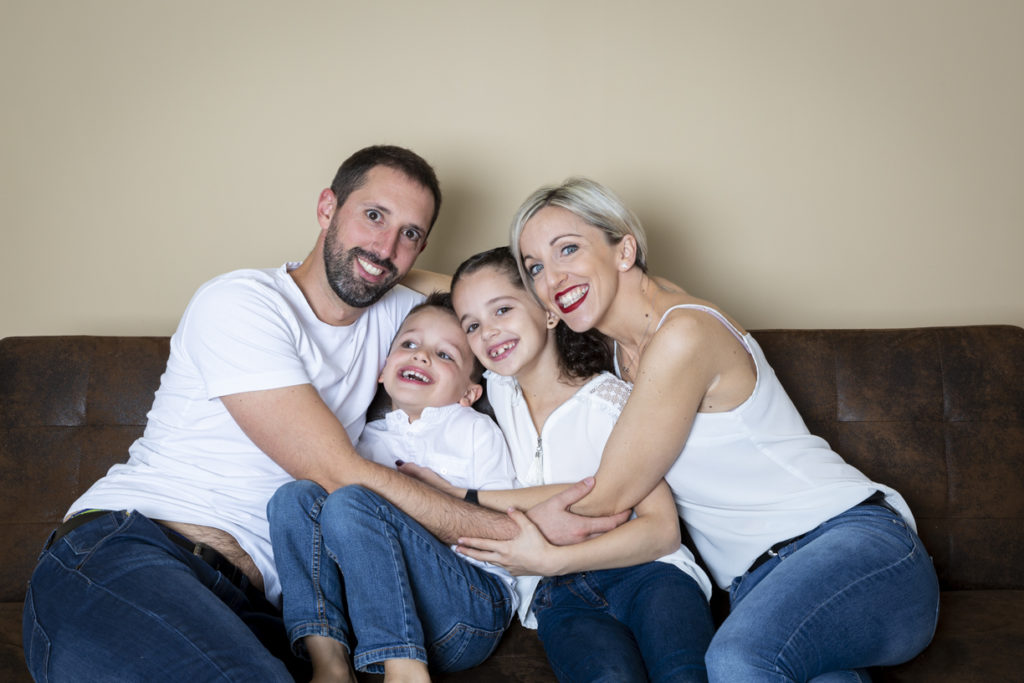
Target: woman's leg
313	602
669	616
858	591
409	595
584	642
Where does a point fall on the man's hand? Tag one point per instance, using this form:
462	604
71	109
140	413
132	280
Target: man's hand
527	553
562	527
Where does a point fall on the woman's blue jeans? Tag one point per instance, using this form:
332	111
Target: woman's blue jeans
357	569
116	600
649	622
858	591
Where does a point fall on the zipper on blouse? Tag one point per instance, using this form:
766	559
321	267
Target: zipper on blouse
536	472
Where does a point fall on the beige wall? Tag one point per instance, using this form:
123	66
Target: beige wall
823	163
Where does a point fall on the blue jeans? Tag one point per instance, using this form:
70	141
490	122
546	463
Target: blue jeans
357	569
646	622
858	591
115	599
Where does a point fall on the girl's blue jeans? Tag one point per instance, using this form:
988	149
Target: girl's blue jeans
116	600
649	622
858	591
355	568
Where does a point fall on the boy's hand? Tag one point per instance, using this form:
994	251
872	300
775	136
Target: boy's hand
429	476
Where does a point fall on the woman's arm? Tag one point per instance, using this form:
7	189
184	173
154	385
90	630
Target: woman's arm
653	533
685	364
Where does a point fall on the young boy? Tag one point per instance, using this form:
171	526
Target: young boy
362	578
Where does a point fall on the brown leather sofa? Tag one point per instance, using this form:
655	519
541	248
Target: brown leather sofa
938	413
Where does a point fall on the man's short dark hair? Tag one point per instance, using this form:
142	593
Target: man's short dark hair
352	173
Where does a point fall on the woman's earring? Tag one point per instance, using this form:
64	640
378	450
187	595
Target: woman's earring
552	320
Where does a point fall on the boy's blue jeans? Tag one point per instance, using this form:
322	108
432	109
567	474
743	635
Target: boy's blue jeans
115	599
858	591
649	622
357	569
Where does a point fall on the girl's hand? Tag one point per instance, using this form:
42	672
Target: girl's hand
428	476
528	553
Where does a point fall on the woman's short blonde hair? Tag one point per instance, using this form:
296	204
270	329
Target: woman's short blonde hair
591	201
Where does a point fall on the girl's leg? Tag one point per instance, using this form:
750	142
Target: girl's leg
669	616
858	591
313	597
583	641
409	595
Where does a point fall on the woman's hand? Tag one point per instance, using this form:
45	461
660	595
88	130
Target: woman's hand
430	477
528	553
561	527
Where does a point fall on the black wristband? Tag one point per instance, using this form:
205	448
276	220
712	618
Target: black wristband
472	497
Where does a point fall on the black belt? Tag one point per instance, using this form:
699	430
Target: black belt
876	498
204	552
208	555
73	522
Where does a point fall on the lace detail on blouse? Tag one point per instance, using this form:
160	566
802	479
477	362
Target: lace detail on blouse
613	391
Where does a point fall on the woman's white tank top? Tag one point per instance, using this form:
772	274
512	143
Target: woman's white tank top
754	475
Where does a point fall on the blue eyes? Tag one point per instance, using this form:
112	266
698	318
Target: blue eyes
567	250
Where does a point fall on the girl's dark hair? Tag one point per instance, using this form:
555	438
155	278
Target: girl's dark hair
580	354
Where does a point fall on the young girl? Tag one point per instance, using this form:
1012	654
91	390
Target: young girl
630	605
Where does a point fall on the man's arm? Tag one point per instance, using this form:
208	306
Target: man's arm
294	427
427	281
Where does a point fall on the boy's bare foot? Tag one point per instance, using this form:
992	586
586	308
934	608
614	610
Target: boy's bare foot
405	671
330	660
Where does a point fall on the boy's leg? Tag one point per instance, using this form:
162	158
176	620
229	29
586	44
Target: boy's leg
410	596
667	613
313	597
583	641
115	599
858	591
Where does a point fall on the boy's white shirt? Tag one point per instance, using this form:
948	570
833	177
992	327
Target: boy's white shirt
462	445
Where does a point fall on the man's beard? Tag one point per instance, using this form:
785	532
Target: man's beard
341	265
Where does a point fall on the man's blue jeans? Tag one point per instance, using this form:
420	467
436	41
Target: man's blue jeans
858	591
649	622
357	569
115	599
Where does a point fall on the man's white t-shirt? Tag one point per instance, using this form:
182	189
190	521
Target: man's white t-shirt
248	330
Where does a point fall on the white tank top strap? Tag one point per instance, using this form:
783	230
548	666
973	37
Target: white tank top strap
721	318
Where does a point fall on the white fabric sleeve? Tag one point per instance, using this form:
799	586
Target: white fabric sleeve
241	336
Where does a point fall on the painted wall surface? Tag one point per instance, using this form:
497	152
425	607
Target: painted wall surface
836	163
